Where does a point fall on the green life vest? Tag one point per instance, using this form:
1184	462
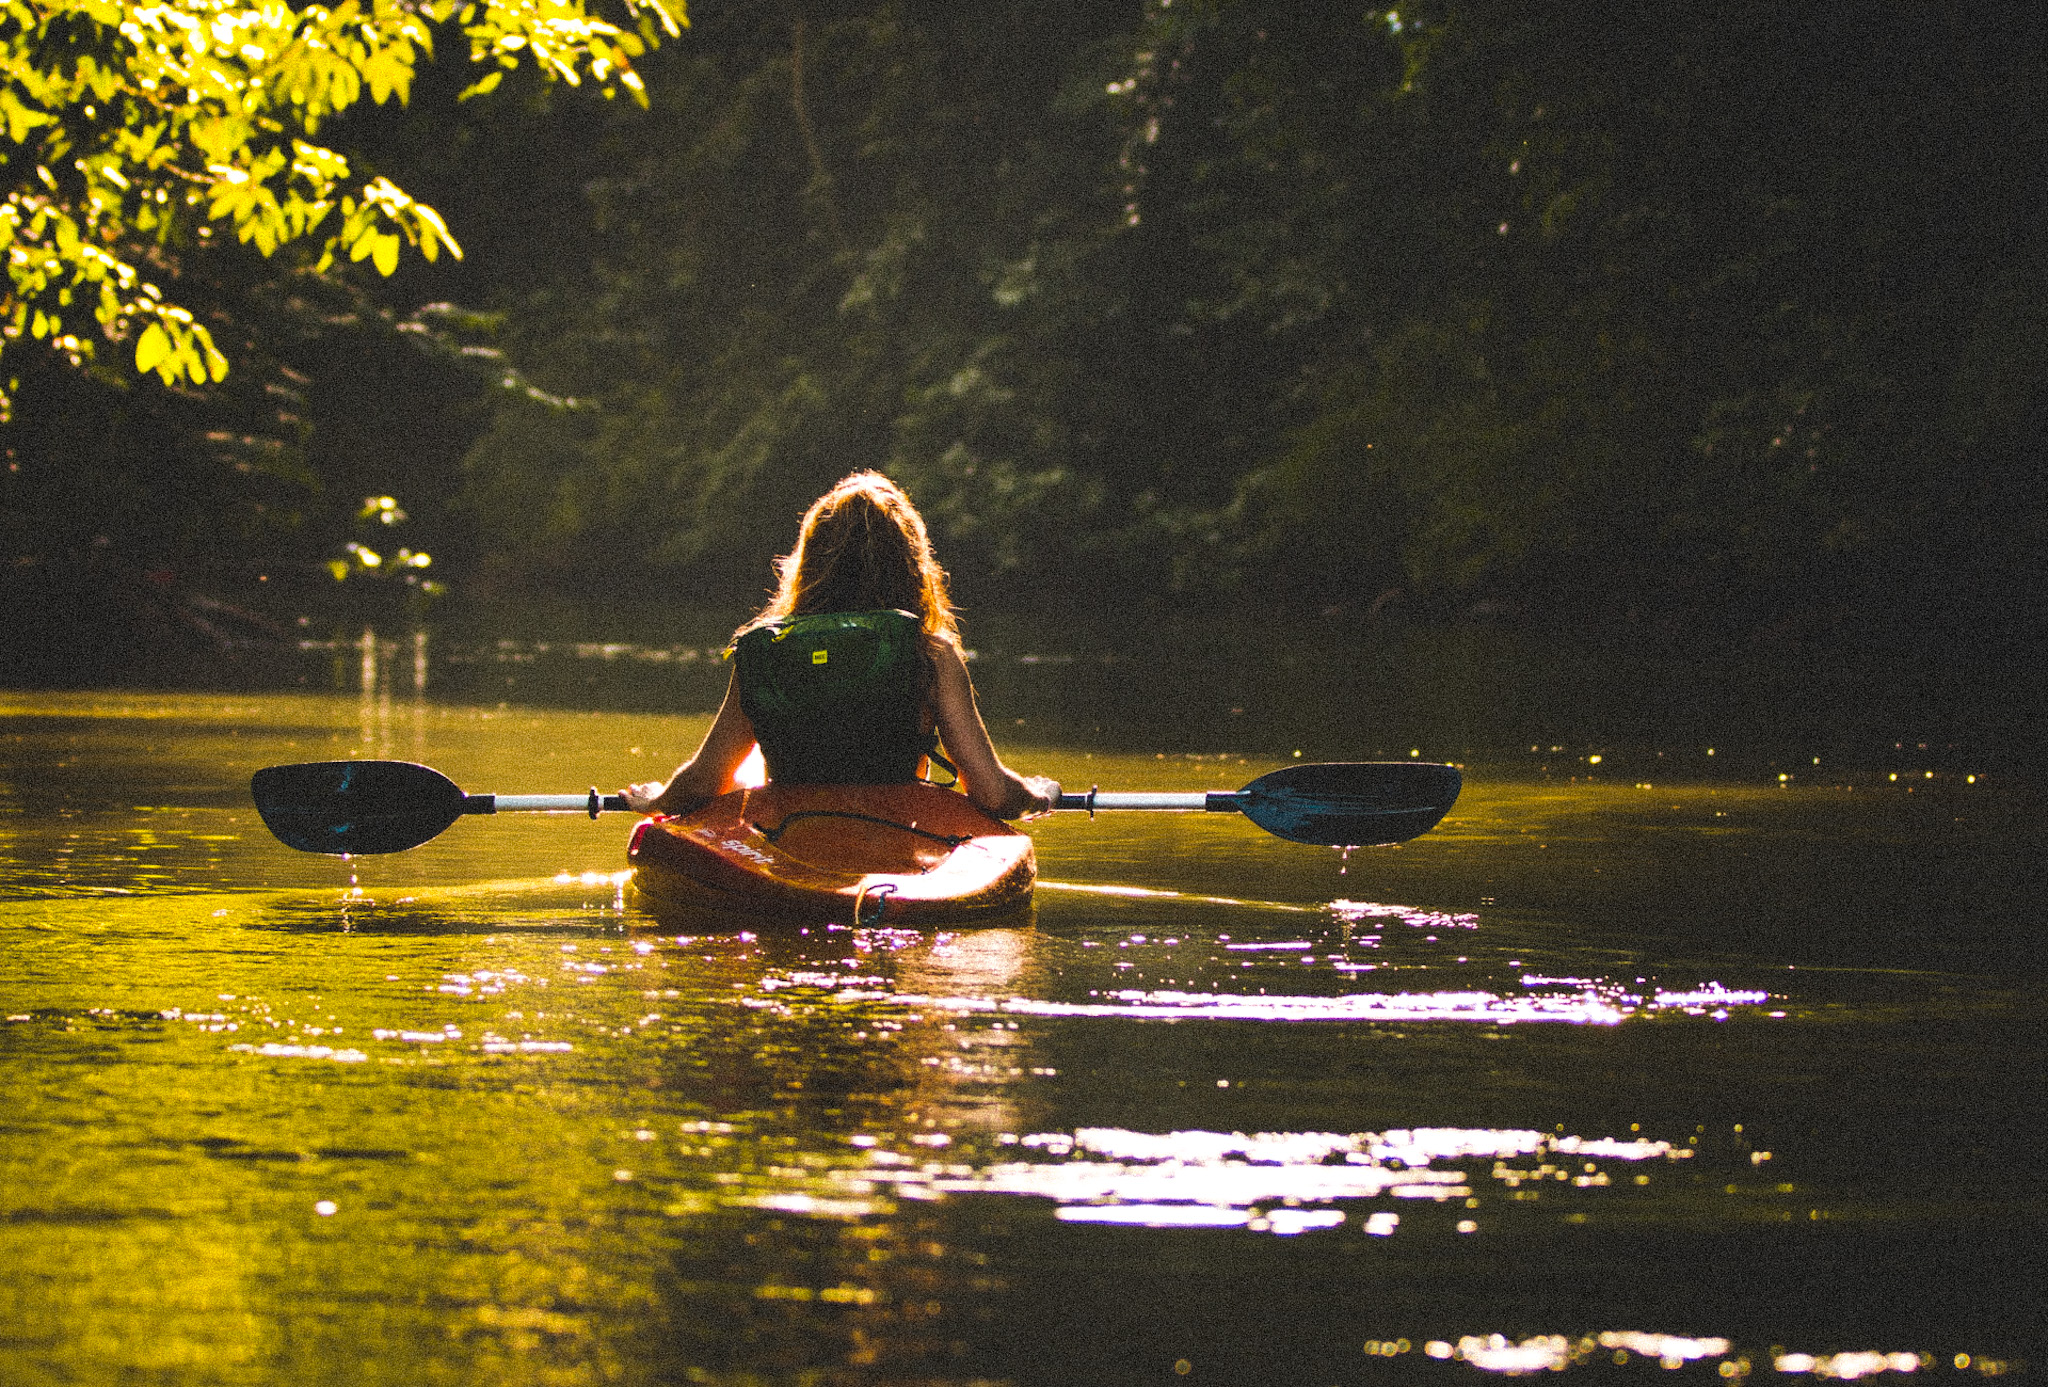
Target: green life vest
837	698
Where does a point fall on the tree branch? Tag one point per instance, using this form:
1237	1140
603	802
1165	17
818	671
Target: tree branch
821	179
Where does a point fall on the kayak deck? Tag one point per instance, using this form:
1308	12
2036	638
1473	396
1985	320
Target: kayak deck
857	854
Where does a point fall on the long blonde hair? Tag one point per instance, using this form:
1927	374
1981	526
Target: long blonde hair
862	547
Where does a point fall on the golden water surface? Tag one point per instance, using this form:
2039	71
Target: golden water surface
1614	1073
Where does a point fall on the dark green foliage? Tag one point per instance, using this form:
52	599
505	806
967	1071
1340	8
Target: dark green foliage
1681	311
789	290
143	525
1725	318
1655	309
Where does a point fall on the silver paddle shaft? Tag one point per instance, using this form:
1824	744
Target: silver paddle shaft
1094	799
591	803
1222	801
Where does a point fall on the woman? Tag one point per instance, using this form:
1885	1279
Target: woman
861	587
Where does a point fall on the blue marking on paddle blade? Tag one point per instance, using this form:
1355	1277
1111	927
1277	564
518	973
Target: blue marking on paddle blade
1352	804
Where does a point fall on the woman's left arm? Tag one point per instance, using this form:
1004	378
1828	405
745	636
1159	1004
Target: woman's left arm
709	773
988	782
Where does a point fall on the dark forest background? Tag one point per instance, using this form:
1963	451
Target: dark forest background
1718	324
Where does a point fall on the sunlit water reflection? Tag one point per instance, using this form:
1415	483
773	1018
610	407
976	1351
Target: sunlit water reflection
1734	1081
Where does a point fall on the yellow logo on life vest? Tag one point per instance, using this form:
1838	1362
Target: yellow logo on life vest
817	657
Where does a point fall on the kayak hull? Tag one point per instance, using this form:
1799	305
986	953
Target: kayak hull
910	854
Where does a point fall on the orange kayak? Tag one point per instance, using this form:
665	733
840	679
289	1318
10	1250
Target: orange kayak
911	854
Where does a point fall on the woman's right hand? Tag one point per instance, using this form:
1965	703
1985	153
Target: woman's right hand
641	798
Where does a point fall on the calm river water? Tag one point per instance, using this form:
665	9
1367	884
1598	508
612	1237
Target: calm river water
1628	1068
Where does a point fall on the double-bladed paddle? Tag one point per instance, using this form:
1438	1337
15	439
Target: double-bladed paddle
389	806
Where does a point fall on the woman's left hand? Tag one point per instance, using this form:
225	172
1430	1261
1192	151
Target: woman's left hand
1043	794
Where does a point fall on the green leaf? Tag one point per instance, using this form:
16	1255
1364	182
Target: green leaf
20	119
153	348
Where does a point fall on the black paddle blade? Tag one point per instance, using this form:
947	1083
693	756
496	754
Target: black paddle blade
355	806
1353	804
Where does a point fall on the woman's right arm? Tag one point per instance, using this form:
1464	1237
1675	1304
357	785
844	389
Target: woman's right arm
709	773
988	782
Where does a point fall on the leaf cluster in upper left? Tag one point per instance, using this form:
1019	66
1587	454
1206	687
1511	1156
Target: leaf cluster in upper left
128	127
